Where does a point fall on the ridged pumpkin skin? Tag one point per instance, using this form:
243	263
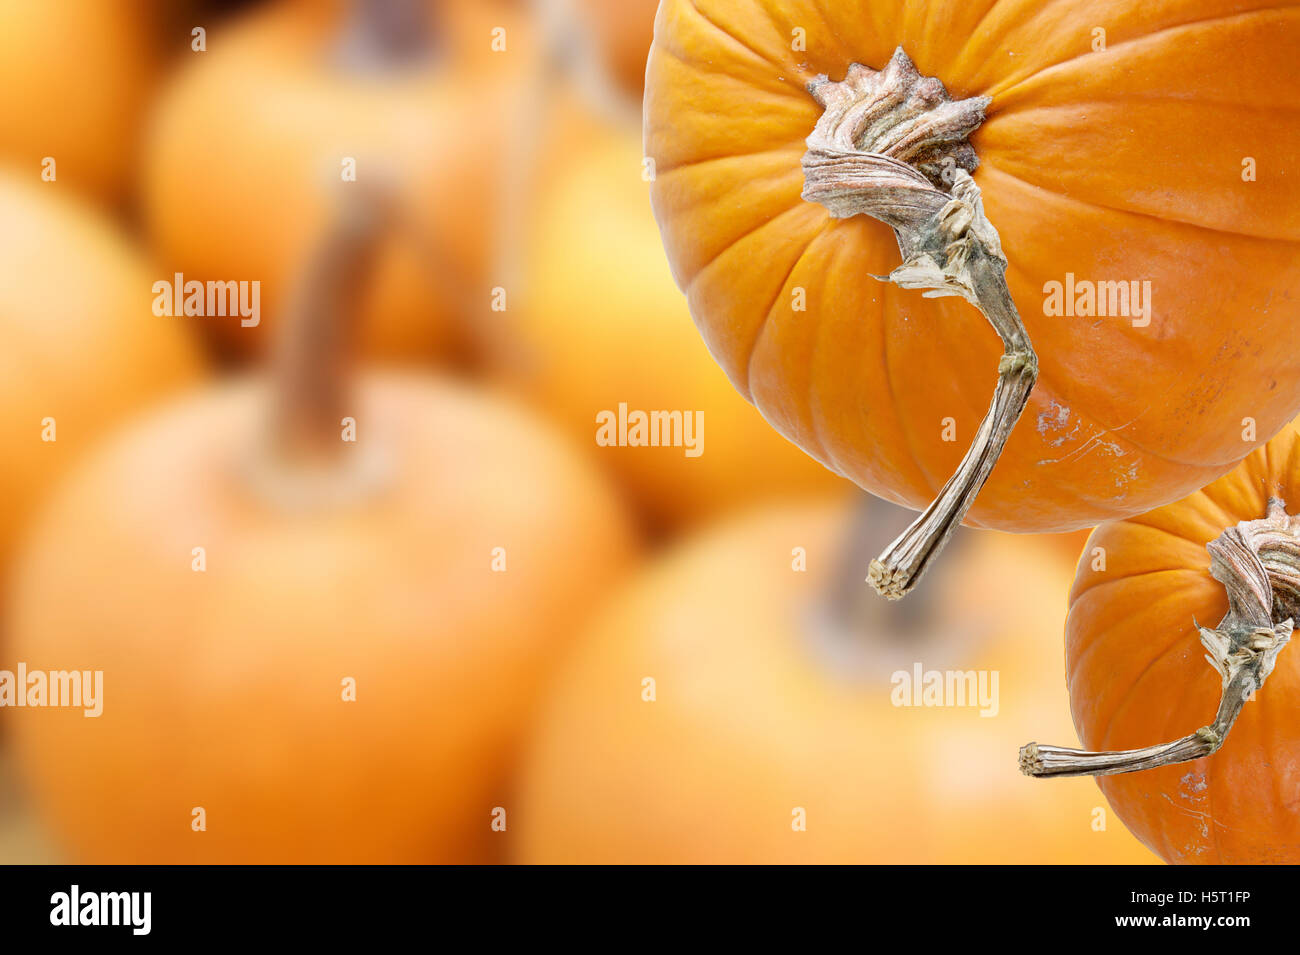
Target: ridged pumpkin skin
81	344
1120	165
1138	675
222	689
757	711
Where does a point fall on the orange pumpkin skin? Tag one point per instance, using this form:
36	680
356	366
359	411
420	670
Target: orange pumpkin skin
1138	675
222	689
81	343
272	92
78	75
755	714
1123	418
596	322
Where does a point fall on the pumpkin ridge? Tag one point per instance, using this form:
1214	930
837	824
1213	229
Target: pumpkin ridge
1082	654
816	414
1130	696
991	164
1130	578
740	237
794	146
768	322
735	40
979	25
690	289
1144	520
995	92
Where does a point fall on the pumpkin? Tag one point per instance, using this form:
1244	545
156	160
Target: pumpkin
620	31
293	91
82	350
1103	169
79	75
1137	671
598	334
766	716
342	671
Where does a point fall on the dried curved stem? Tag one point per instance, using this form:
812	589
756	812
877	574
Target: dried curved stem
892	145
1258	563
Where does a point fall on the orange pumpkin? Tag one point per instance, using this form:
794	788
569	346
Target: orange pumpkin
621	31
1119	143
342	671
1138	674
291	92
597	325
82	347
761	710
78	75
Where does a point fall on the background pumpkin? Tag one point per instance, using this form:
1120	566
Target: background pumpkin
597	322
79	75
81	343
1125	164
275	92
621	31
759	711
1138	676
322	561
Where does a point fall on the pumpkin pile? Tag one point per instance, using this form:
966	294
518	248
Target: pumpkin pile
520	505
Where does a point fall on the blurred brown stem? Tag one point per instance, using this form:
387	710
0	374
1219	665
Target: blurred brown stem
312	364
385	34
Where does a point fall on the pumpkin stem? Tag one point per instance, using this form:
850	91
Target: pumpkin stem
309	455
311	368
385	34
1258	563
891	144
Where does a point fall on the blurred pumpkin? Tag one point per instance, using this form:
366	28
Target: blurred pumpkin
621	31
78	74
246	156
82	347
597	324
1135	405
1070	544
431	567
1138	673
767	706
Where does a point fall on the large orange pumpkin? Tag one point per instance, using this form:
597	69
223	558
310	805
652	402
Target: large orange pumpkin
761	709
82	348
77	76
1138	674
430	569
596	324
245	157
1127	142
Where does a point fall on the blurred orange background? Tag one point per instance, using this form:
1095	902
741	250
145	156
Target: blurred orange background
369	559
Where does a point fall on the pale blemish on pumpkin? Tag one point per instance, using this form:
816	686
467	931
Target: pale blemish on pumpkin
1202	822
1192	785
1054	418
